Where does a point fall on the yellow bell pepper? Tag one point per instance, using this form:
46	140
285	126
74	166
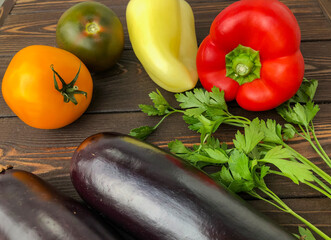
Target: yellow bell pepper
162	34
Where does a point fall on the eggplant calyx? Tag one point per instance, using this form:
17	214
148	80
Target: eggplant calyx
4	168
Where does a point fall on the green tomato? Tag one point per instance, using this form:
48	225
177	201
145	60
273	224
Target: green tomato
92	32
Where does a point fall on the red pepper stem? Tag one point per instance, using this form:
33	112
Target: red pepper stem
243	64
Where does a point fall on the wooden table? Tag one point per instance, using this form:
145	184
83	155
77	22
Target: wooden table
118	92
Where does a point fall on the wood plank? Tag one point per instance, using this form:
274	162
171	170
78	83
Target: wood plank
5	7
113	90
317	211
38	27
118	91
48	154
29	6
326	7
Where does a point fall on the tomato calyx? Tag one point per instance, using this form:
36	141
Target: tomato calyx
243	64
69	90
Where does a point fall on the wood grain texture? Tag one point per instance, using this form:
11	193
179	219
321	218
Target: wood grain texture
317	211
48	154
34	24
118	92
125	86
326	7
5	7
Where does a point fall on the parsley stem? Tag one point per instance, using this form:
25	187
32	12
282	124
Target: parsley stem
256	195
328	160
313	167
327	193
319	150
237	121
311	226
318	189
202	141
165	116
240	119
284	207
322	184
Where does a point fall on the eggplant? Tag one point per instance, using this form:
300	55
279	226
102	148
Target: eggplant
153	194
31	209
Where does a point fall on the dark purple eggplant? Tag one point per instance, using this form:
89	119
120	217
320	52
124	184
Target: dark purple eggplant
30	209
154	195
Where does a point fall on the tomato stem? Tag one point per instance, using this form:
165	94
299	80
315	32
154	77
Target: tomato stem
92	28
69	90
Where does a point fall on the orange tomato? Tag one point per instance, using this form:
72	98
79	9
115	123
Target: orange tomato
28	87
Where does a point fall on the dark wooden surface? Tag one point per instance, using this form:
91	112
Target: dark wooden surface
118	92
5	8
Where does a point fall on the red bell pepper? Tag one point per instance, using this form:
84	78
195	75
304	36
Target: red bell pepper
253	54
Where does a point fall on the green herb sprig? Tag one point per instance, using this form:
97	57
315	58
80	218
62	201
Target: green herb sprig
300	110
204	112
260	145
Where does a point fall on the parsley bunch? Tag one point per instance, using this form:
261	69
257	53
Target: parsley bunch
258	151
244	166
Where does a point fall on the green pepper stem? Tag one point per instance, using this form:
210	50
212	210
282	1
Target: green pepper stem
243	64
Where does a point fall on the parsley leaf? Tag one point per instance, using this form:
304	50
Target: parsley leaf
296	171
141	132
305	234
225	176
199	157
217	99
150	110
248	141
160	103
272	131
306	91
178	147
192	100
289	131
218	155
299	114
259	178
193	123
239	165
